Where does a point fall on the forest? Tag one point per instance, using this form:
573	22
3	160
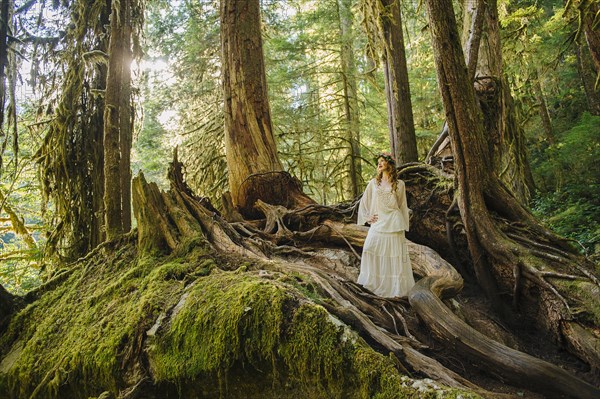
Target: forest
180	182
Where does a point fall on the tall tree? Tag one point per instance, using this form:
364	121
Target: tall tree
542	107
400	115
5	11
255	171
505	134
473	18
352	123
588	17
519	260
383	23
588	74
71	158
118	123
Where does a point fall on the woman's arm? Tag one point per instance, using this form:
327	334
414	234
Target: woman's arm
402	203
365	207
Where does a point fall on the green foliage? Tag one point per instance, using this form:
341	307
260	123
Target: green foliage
185	96
539	51
568	175
20	261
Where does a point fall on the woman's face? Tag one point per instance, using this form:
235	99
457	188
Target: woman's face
382	165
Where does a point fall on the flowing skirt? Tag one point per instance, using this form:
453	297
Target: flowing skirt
385	265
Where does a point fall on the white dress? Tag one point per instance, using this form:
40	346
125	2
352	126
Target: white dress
385	265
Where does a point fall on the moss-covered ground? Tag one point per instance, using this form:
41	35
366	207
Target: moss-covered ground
193	328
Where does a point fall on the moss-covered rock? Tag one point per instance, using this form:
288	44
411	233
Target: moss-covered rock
191	330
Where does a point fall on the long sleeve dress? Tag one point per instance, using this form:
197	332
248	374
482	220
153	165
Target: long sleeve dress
385	267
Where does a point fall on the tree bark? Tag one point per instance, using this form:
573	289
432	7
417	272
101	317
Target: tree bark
531	262
401	124
126	121
542	108
506	137
473	18
254	168
592	35
351	116
588	75
117	121
4	29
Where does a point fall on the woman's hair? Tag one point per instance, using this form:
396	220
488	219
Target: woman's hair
391	169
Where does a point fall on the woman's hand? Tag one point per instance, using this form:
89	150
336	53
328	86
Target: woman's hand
372	219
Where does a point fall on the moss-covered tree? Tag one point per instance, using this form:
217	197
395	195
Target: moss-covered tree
588	73
71	157
5	19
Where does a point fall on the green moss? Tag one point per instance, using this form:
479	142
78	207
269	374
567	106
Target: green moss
258	337
588	298
232	320
316	351
87	330
226	317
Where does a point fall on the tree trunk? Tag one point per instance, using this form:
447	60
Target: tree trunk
538	268
4	29
592	35
588	75
254	168
117	120
473	18
506	137
95	151
351	116
71	158
543	109
126	122
401	124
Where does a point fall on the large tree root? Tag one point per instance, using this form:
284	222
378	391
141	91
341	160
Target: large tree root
548	280
517	367
379	320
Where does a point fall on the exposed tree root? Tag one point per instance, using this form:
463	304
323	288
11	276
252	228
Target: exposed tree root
517	367
377	319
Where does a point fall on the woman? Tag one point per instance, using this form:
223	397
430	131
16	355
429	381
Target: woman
385	265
